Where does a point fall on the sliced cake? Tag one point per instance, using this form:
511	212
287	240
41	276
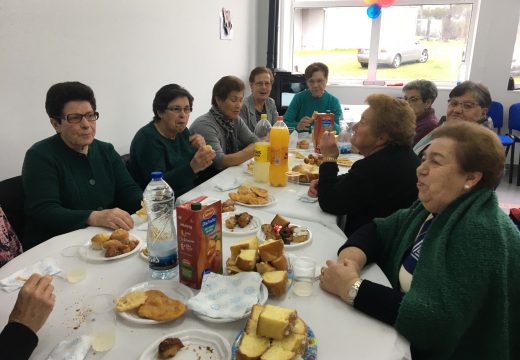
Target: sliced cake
276	322
252	347
275	281
246	261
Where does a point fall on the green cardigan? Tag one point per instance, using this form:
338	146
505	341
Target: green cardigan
62	187
150	151
464	301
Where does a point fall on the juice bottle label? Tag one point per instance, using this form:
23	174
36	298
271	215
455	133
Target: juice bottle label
323	122
262	152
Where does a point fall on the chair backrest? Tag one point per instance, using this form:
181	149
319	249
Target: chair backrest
496	112
514	117
12	199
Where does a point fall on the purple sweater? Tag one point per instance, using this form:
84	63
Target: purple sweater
424	124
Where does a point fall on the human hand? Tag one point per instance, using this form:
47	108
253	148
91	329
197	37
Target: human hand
111	218
202	159
338	277
197	141
304	122
313	189
34	303
328	146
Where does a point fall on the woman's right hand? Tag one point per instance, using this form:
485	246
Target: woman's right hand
304	122
111	218
313	189
202	159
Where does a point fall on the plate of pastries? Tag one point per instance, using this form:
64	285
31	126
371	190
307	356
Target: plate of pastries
153	302
274	333
280	228
303	174
191	344
252	196
111	246
240	223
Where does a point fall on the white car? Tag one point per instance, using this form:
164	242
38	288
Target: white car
395	55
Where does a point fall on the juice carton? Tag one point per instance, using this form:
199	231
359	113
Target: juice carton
322	122
199	233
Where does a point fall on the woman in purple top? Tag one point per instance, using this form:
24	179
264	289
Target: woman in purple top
421	94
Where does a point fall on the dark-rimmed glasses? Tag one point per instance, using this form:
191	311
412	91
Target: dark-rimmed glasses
76	118
178	109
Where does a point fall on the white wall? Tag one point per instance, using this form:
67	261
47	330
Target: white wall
125	50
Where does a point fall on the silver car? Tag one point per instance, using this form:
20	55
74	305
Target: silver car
395	55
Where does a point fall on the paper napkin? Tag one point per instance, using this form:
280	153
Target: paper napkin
306	198
71	349
228	185
15	281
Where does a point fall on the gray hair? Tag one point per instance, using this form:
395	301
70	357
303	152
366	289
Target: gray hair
427	89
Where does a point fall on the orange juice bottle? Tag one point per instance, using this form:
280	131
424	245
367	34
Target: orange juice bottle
279	138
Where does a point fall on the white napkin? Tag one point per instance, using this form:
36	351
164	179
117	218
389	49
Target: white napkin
229	185
71	349
227	297
306	198
13	282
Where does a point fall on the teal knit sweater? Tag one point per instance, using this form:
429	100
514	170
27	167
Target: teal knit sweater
464	301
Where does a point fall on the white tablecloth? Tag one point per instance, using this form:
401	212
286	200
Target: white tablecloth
341	331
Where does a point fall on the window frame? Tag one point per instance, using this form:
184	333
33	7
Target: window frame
286	34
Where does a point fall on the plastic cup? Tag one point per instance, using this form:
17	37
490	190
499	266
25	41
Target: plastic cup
101	322
74	269
304	275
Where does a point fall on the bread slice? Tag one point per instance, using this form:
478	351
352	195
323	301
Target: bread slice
280	220
280	263
275	281
252	347
295	343
300	234
270	250
263	267
276	322
277	353
246	261
249	243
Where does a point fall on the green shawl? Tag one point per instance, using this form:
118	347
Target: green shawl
464	301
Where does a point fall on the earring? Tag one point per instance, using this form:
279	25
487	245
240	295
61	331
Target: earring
466	187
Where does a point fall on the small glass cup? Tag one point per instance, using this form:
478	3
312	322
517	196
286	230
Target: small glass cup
101	320
304	275
74	269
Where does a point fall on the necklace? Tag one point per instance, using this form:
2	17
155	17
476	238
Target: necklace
162	133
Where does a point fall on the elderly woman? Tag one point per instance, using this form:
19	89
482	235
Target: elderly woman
314	98
451	258
385	179
421	94
258	103
222	127
467	101
166	144
70	179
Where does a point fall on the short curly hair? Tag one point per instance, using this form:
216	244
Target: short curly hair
260	70
426	88
165	95
478	149
317	66
224	86
393	117
61	93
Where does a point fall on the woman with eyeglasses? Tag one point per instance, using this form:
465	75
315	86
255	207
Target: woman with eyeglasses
165	143
468	101
223	128
314	98
70	179
261	81
421	94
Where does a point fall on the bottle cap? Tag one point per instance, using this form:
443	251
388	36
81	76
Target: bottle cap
196	206
263	116
156	175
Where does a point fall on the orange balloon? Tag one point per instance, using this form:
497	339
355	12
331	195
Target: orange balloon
385	3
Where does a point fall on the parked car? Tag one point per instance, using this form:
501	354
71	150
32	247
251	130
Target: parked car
515	67
395	55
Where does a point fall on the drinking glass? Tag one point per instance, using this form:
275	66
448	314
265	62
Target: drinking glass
101	320
74	269
304	275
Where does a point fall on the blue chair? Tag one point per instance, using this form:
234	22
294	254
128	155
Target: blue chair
514	125
496	113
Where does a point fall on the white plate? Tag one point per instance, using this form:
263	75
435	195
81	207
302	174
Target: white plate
172	289
270	201
251	228
142	255
88	253
196	343
263	298
352	157
261	237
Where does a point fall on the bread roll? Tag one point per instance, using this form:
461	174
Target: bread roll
121	235
98	240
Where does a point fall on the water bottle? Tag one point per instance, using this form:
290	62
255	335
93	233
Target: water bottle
344	144
161	238
262	147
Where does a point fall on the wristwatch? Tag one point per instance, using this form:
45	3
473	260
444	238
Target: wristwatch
352	292
329	159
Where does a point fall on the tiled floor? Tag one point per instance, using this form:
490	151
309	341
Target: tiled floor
508	194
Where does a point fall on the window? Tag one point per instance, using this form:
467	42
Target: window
416	39
515	64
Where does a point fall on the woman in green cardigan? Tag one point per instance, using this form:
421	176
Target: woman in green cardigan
452	258
70	179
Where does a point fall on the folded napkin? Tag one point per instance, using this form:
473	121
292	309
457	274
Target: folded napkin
71	349
229	185
306	198
227	297
43	267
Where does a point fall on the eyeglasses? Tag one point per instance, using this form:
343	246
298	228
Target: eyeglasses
262	83
466	105
178	109
412	99
76	118
314	82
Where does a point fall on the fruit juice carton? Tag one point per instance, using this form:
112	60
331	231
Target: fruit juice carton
322	122
199	234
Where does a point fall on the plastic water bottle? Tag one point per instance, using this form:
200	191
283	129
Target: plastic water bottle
262	150
344	144
161	238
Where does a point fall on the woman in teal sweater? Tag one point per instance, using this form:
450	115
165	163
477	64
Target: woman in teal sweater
314	98
451	259
70	179
165	144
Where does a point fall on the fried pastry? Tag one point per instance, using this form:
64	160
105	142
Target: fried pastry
258	191
131	301
160	307
168	347
98	240
243	219
231	222
121	235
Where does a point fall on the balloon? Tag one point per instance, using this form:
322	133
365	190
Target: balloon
385	3
370	2
373	11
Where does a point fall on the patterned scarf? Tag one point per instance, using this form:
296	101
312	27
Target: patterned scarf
228	128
